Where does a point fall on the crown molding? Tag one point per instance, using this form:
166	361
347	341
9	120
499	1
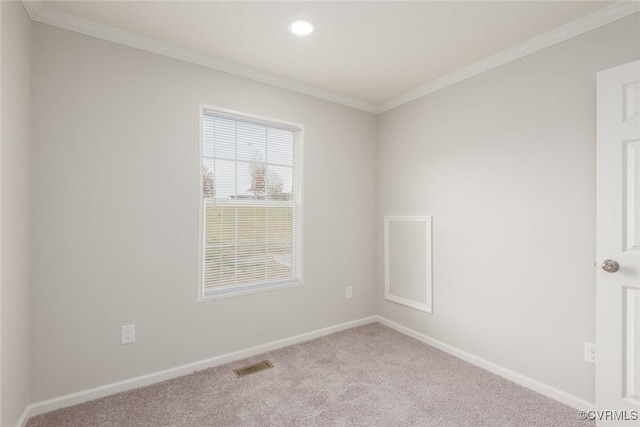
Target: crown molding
44	15
602	17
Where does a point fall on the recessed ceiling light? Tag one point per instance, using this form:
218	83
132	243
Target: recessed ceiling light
301	27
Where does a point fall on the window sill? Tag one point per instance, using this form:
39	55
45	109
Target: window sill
233	291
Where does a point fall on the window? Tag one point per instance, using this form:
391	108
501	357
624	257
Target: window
251	204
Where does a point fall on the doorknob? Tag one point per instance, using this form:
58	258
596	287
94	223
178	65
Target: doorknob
610	266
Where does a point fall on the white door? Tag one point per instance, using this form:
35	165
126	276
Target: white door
618	247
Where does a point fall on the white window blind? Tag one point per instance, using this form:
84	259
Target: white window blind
251	199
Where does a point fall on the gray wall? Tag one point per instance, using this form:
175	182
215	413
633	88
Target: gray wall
115	215
14	179
505	162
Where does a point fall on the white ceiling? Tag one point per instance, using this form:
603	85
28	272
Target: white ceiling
365	51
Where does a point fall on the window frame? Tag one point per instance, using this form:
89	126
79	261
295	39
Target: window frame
237	290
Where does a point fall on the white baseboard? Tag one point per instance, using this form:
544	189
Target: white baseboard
156	377
537	386
22	421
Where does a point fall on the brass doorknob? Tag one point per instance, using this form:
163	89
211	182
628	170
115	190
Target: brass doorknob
610	266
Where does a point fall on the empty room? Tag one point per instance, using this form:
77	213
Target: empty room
275	213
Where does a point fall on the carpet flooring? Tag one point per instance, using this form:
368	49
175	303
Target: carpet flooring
365	376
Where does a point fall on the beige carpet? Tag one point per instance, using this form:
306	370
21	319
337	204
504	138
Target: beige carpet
366	376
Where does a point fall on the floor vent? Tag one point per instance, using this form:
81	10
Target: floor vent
256	367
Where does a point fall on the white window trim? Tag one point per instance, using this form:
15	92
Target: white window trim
232	291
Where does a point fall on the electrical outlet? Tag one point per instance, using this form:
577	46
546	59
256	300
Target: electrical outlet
590	353
127	334
349	292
